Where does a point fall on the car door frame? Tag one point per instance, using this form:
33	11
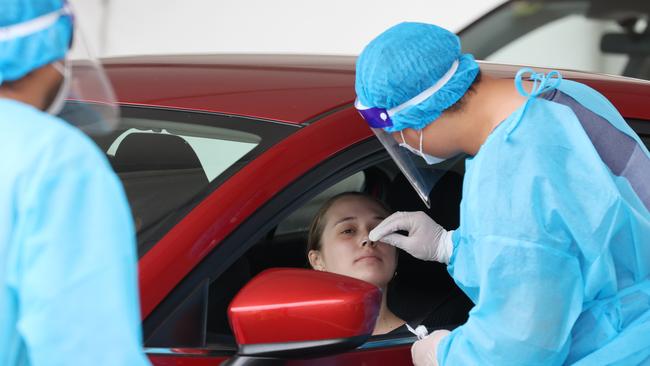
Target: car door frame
340	166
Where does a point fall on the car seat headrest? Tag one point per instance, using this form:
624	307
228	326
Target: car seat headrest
154	151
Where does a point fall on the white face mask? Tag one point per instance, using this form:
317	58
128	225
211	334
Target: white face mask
430	159
59	100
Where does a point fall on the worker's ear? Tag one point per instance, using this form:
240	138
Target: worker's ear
316	260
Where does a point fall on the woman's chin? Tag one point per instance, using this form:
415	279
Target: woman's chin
376	279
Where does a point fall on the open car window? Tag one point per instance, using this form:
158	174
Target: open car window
283	244
298	221
437	300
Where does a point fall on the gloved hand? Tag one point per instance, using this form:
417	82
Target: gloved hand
423	352
426	239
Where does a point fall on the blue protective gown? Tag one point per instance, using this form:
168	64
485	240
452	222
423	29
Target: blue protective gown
553	245
68	291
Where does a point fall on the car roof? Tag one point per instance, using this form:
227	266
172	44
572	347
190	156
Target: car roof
291	88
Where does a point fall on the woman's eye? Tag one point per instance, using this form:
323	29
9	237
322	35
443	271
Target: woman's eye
347	231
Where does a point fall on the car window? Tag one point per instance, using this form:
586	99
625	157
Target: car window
587	35
285	246
168	160
299	220
282	246
215	153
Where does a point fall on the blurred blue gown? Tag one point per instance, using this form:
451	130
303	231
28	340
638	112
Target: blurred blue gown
68	280
554	241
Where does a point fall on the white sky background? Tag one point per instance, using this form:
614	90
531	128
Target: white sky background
134	27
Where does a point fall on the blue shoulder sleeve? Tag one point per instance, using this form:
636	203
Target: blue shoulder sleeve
530	297
75	272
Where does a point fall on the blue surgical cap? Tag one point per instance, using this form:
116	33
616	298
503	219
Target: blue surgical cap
26	46
406	60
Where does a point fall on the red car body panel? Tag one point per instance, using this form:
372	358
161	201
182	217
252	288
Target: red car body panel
275	88
400	355
630	96
223	210
291	89
160	360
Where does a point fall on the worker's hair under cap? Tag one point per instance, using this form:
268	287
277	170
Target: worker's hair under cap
408	62
33	33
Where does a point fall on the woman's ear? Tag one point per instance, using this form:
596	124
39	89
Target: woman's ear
316	260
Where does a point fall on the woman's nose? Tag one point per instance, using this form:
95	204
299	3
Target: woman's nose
369	242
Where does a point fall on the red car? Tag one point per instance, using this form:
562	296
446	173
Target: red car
225	160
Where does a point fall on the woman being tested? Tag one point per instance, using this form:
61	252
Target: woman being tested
338	242
554	239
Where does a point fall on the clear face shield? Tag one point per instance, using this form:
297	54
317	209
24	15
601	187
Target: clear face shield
84	98
423	176
89	99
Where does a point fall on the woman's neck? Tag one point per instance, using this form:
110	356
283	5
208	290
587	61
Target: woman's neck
386	320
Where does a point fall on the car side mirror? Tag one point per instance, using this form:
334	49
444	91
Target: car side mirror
289	313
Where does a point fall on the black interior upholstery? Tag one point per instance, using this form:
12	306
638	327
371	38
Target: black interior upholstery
424	291
154	151
221	293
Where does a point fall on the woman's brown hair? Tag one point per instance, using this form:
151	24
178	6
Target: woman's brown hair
318	223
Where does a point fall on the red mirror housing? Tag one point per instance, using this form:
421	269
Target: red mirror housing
288	311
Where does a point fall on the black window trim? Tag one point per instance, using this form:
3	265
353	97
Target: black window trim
641	127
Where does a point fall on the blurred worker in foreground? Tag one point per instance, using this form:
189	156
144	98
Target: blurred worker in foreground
68	279
554	239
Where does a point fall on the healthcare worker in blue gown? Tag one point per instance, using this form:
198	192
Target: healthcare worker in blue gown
68	290
553	245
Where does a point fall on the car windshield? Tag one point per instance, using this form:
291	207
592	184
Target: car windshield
165	163
601	36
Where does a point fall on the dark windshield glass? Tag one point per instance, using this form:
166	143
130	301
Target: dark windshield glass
598	36
168	161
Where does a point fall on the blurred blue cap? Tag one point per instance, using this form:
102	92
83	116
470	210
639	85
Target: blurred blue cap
33	33
405	61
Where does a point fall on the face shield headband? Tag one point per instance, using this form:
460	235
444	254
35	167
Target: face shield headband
381	118
416	170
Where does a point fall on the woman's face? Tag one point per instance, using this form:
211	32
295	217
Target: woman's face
345	248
